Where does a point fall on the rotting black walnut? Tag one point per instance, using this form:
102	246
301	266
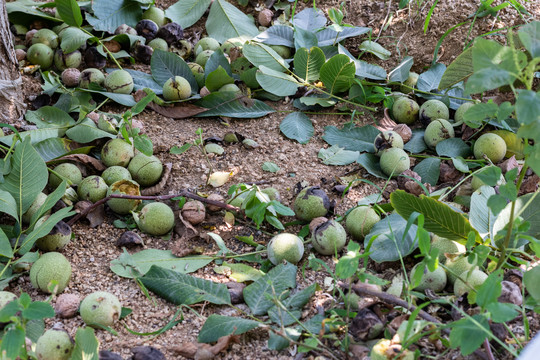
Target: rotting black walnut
147	29
125	29
94	59
236	291
129	238
511	293
108	355
172	33
143	53
67	305
146	353
366	325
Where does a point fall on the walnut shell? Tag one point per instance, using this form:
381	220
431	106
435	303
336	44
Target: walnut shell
404	131
194	212
265	17
67	305
215	197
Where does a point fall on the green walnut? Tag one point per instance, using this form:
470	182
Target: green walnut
115	173
360	221
394	161
176	88
287	247
46	37
56	239
272	193
119	81
386	349
329	237
431	280
206	43
117	152
155	14
386	140
460	112
473	281
91	75
197	71
282	50
411	81
50	267
437	131
431	110
54	344
203	56
231	88
490	145
405	110
156	219
233	43
67	171
5	298
34	207
40	54
456	267
145	170
159	44
446	246
100	309
310	203
64	61
92	188
124	187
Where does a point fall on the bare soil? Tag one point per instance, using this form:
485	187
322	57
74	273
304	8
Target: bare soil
92	249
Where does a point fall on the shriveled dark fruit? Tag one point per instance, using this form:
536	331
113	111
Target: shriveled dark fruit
360	221
119	81
394	161
93	59
117	152
46	37
329	238
437	131
123	187
155	14
125	29
159	44
431	110
147	29
100	309
112	45
366	325
265	17
70	77
146	170
206	43
143	53
511	293
405	110
215	197
107	355
194	212
54	344
386	140
51	266
183	49
147	353
91	75
56	239
63	61
236	291
67	305
172	33
310	203
404	131
40	54
128	239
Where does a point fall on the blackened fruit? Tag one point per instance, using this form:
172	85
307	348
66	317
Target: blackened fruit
70	77
386	140
143	53
94	59
91	75
147	29
172	33
64	61
125	29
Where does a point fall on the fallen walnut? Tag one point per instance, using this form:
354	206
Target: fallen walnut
205	351
67	305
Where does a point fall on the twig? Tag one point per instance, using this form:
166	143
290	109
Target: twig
488	349
183	193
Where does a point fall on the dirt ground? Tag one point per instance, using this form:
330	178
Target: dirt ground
93	249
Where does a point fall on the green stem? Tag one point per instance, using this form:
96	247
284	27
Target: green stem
104	48
504	248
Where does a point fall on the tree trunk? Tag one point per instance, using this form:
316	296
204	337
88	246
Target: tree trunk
11	95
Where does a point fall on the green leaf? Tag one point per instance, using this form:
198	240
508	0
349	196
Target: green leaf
86	345
459	70
467	335
86	132
490	290
260	54
28	176
225	21
35	136
217	326
187	12
351	137
310	19
122	99
53	148
228	104
528	107
12	343
488	79
5	245
277	35
276	82
217	78
181	289
137	264
69	11
370	162
308	63
336	155
143	80
490	175
270	167
502	312
390	239
330	37
416	144
8	205
348	263
258	296
49	203
528	212
166	65
239	272
44	229
529	35
429	170
276	342
49	116
439	218
216	60
376	49
401	72
338	73
294	304
480	215
453	147
304	39
38	310
108	15
430	79
297	126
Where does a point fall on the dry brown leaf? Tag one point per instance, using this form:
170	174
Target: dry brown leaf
161	184
205	351
509	164
83	159
180	111
95	217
